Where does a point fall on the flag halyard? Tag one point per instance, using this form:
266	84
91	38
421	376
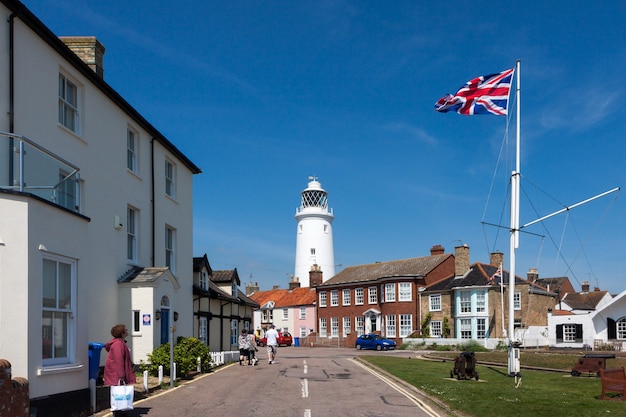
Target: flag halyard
487	94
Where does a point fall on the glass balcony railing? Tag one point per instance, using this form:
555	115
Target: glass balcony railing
28	167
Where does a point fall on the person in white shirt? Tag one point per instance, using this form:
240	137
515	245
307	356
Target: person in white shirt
272	343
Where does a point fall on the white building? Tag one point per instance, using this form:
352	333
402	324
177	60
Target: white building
314	235
95	215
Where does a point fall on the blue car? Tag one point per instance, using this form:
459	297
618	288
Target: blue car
373	341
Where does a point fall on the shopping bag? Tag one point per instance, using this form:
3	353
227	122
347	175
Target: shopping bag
122	397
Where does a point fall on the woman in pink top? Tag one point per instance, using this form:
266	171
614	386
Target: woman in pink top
118	368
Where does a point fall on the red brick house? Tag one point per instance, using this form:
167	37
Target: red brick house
383	297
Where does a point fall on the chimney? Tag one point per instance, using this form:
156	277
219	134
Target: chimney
461	260
252	288
315	276
496	258
533	274
437	250
89	49
294	283
585	286
275	287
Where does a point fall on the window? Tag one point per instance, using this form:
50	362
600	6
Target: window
170	235
435	328
372	295
131	234
346	326
517	301
465	328
481	328
131	150
334	298
620	326
204	280
390	293
234	288
234	331
480	302
170	179
358	296
302	331
285	313
58	310
465	301
360	325
303	313
404	291
406	325
323	330
203	330
345	297
66	191
569	332
334	327
68	104
136	321
434	302
390	331
312	251
322	298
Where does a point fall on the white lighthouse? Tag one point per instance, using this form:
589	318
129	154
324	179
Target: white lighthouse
314	235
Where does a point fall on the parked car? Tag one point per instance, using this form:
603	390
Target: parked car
284	339
373	341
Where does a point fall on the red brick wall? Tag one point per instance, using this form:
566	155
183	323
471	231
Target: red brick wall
14	399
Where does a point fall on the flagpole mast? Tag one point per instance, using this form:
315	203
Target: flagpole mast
514	366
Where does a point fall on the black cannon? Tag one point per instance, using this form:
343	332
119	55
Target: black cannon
591	363
464	367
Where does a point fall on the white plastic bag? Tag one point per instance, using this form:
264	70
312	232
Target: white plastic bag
122	397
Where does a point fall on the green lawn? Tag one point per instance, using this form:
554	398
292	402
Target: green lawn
540	393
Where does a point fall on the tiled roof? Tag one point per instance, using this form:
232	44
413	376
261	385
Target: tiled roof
200	262
554	284
479	275
370	272
283	298
584	301
225	276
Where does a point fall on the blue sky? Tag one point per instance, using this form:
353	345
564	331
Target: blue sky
260	95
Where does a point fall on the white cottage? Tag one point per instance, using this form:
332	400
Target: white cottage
95	215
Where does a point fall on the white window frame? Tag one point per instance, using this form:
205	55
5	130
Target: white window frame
323	327
334	298
132	233
465	302
406	325
203	329
390	325
322	298
390	292
465	328
481	328
170	179
372	295
303	331
204	279
285	314
302	315
170	249
52	315
620	328
481	302
405	291
434	302
436	327
360	325
346	326
69	104
359	296
569	332
517	301
345	297
334	327
132	150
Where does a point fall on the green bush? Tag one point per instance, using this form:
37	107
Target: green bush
473	346
186	353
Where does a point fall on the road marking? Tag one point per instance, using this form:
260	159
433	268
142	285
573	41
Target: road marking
305	387
306	369
307	412
400	389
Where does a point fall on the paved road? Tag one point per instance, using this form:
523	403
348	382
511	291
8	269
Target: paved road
306	382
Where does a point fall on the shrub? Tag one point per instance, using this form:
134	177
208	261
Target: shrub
186	353
473	346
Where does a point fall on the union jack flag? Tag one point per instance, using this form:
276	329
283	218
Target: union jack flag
487	94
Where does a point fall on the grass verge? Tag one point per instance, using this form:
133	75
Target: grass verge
541	393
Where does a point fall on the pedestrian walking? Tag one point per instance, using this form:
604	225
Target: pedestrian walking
244	347
118	368
272	343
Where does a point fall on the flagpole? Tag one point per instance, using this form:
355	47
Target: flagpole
502	299
514	238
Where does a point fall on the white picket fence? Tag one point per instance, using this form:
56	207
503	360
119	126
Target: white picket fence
221	358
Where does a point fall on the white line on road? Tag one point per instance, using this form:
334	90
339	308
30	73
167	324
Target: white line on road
305	387
305	367
307	412
400	389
